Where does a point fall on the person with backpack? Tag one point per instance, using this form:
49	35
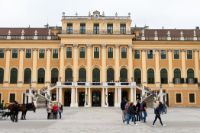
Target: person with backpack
123	104
157	114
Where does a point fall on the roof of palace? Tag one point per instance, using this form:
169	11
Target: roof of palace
174	34
24	31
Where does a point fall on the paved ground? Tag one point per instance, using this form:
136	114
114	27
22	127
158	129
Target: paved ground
103	120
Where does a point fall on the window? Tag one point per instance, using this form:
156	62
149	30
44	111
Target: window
137	76
163	76
27	76
163	54
1	75
178	98
13	76
137	54
68	75
82	28
123	52
150	54
96	52
192	98
176	54
69	28
110	28
12	97
122	28
28	53
190	76
150	76
110	52
190	73
177	76
110	75
41	76
55	53
82	52
123	75
69	52
41	53
54	75
82	75
1	53
96	75
14	53
96	29
189	54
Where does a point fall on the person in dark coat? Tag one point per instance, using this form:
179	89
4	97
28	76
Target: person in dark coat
123	104
157	114
15	111
131	112
138	107
144	111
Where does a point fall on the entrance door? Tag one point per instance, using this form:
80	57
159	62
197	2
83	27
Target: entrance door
124	94
81	101
67	98
96	98
110	98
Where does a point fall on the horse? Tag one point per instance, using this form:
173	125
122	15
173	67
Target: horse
23	108
26	107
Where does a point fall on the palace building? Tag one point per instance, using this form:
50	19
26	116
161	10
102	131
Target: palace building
96	60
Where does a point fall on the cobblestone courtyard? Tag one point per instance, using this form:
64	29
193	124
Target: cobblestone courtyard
103	120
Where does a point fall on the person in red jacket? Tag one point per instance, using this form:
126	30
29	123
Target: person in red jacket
55	111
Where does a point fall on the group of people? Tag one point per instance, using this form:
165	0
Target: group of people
138	112
53	110
134	112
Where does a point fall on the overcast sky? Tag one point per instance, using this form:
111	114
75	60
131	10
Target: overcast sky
154	13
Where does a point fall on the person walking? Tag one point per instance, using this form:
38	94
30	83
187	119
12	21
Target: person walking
157	114
123	104
49	110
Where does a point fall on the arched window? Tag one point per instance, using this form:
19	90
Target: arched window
82	75
150	76
41	76
137	76
96	75
54	75
13	76
110	75
27	76
177	73
1	75
190	73
163	76
123	75
68	75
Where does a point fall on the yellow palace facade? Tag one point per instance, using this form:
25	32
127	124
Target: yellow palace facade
96	60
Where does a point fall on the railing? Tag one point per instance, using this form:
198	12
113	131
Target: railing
16	37
132	84
100	32
92	17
